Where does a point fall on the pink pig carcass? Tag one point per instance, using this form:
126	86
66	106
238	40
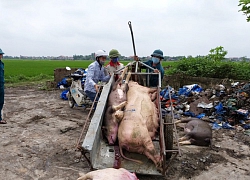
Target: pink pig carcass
139	123
109	174
114	114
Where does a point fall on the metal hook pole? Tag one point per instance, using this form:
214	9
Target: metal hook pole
130	27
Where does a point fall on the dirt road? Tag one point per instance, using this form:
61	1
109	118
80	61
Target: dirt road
39	141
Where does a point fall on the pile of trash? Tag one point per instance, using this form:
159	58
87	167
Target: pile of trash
226	108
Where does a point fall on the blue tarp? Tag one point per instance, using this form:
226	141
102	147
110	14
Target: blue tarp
187	90
165	93
64	94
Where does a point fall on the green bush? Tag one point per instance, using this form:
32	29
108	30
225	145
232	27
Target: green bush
205	67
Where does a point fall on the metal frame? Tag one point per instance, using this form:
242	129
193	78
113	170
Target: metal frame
177	151
137	64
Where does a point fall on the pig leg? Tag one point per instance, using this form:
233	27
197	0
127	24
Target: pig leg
188	127
185	120
119	80
177	122
112	109
152	90
86	176
184	138
128	77
125	88
187	142
190	140
118	107
205	142
119	115
153	96
151	153
189	135
117	83
124	72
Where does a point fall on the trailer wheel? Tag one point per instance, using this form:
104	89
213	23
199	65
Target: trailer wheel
168	135
71	100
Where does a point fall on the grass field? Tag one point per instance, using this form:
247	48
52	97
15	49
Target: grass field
17	71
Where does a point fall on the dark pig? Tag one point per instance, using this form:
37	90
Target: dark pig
198	132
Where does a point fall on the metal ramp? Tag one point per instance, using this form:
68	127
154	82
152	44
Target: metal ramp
88	119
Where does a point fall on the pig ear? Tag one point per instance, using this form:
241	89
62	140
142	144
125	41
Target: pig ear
177	122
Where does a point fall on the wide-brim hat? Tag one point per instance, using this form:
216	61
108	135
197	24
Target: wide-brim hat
158	53
1	52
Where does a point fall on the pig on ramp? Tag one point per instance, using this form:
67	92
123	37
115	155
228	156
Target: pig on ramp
139	124
197	132
116	102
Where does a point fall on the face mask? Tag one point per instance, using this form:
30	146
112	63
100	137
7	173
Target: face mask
114	60
102	62
155	60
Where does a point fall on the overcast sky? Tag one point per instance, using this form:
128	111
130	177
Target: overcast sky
68	27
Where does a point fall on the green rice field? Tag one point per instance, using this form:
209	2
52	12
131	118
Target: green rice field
40	70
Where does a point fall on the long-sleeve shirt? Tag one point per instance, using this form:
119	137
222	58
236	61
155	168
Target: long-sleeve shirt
1	83
94	75
111	67
153	79
1	72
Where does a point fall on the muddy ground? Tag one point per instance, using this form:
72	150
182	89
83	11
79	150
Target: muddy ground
39	142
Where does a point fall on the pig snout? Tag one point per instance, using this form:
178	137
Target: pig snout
112	135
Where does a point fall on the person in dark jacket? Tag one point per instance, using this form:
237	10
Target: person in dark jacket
1	87
155	62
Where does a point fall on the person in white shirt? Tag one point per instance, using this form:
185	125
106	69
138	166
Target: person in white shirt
96	74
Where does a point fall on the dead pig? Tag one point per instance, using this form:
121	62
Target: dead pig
113	116
109	174
139	124
116	102
198	132
148	108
